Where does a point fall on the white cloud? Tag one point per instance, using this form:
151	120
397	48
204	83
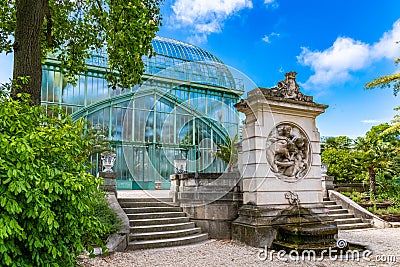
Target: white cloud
335	63
204	17
386	47
267	38
371	121
272	3
346	55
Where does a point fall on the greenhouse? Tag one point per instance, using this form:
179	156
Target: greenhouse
181	111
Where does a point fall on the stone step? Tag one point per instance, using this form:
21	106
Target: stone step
154	215
157	221
163	234
333	207
147	204
145	200
167	242
162	227
329	202
152	209
348	221
338	211
340	216
343	219
353	226
326	199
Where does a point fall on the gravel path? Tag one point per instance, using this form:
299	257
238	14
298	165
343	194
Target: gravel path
383	243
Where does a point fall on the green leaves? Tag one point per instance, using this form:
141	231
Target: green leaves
228	152
47	198
7	25
342	164
387	81
74	30
350	160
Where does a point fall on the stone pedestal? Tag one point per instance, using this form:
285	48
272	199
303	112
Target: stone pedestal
211	200
279	161
110	182
327	184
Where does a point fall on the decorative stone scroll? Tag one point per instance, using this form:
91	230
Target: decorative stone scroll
288	152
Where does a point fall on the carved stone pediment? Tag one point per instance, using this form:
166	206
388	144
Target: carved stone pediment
288	152
288	89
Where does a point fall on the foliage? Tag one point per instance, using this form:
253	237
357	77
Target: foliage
395	126
377	152
341	160
73	30
340	142
387	80
47	215
228	152
106	215
388	210
358	197
388	189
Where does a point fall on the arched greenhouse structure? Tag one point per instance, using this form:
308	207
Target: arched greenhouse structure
182	110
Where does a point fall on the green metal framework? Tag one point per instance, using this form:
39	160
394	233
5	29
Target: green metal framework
183	108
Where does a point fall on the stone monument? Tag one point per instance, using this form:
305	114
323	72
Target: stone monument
279	162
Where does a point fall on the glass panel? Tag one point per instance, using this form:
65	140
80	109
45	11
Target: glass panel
146	102
140	119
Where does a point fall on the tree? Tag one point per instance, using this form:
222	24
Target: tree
338	154
340	142
387	80
377	152
395	126
228	152
342	165
73	30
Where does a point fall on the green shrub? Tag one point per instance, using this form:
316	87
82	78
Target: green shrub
388	189
47	216
388	210
342	165
106	215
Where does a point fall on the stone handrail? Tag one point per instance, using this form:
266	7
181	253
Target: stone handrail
119	240
357	210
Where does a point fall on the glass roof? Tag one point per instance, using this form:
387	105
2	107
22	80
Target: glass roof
177	49
181	61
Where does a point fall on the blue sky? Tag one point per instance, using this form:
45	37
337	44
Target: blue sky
336	46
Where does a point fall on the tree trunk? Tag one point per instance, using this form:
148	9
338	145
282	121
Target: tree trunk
372	183
27	49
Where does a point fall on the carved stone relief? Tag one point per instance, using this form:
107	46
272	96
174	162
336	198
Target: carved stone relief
288	152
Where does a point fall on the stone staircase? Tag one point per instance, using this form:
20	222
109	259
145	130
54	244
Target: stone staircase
342	217
156	223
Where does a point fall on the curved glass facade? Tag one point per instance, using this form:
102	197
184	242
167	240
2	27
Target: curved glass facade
183	108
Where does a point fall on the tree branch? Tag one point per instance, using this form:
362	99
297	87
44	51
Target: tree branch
99	5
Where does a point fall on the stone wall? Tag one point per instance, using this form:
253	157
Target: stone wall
211	200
